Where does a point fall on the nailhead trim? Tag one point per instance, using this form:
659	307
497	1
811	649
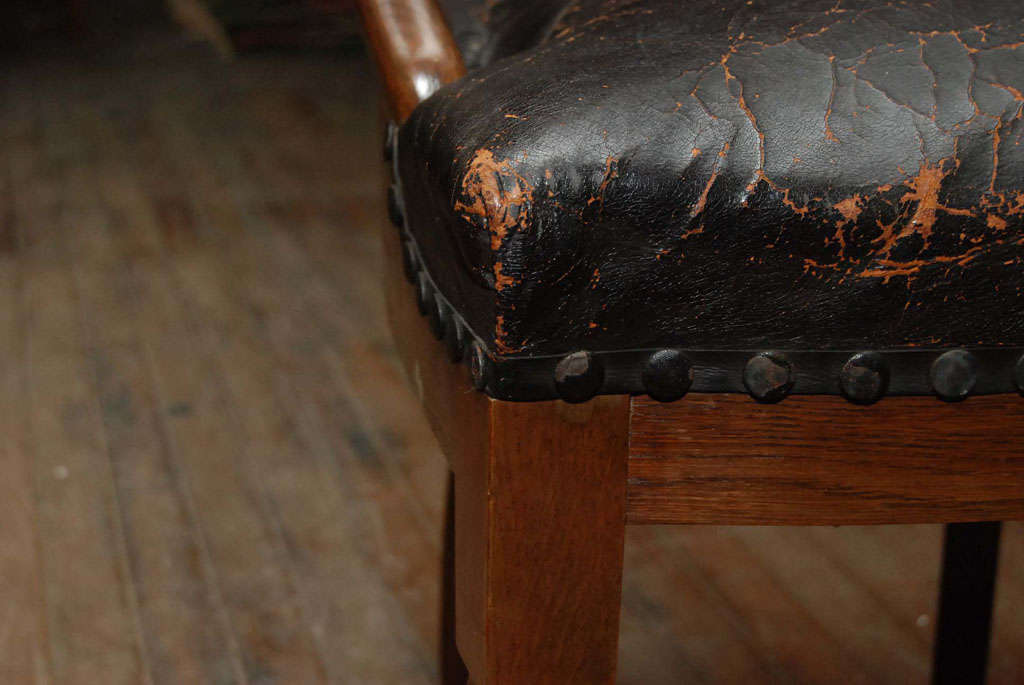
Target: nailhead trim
668	374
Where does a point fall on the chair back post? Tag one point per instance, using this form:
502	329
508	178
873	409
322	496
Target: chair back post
413	48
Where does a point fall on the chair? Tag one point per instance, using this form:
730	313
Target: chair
718	262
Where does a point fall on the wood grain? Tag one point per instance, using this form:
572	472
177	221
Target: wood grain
460	418
22	637
171	572
555	494
338	511
413	47
726	459
312	443
539	516
92	635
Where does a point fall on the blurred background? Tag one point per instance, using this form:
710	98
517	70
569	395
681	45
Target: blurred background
211	468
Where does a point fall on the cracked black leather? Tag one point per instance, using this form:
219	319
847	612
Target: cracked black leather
789	175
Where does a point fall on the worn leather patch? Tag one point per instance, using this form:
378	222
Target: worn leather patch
718	175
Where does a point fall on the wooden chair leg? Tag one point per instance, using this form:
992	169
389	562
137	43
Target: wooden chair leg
453	671
969	562
540	522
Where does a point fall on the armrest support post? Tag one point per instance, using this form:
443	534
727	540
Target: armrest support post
413	48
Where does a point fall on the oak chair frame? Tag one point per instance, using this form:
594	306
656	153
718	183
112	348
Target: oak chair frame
543	491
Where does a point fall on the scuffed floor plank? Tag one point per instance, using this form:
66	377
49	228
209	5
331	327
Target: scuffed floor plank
22	634
90	606
22	650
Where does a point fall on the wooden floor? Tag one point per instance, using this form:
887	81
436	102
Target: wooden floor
211	469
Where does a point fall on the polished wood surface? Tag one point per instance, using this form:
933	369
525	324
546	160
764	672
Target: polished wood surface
539	514
459	415
460	418
413	48
203	245
726	459
556	501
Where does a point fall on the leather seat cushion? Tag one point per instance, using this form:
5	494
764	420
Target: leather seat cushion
729	175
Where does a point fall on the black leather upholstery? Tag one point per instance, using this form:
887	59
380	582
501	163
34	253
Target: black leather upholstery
728	175
486	30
